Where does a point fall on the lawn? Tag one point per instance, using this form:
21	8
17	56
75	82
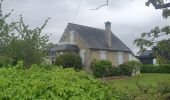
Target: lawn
148	82
151	79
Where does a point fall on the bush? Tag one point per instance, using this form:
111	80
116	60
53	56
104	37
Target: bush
116	71
164	68
104	68
69	60
5	61
101	68
55	84
131	67
164	89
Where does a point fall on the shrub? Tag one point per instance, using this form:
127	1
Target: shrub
131	67
5	61
149	69
116	71
101	68
69	60
55	84
164	89
164	68
104	68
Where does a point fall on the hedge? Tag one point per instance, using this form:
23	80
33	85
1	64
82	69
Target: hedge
164	68
104	68
37	83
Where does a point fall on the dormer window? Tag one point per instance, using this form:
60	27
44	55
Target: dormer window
71	36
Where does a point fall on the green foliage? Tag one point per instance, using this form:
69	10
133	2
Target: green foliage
164	68
162	51
130	67
69	60
148	39
149	69
52	84
20	42
164	89
147	86
104	68
160	4
31	44
101	68
5	61
116	71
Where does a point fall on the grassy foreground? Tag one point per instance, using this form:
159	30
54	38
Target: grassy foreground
151	79
147	86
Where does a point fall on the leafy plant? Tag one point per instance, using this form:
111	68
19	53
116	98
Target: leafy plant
55	83
101	68
131	67
69	60
20	42
163	68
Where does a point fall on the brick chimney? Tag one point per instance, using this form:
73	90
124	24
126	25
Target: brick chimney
108	34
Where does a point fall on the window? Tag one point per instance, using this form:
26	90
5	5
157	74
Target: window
71	36
61	53
120	58
102	54
130	57
154	61
82	55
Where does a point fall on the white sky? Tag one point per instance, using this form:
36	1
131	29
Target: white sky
129	18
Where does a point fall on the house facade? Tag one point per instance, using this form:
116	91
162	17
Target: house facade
94	44
147	57
150	56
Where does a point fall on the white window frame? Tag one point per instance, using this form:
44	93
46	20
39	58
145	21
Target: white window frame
103	54
130	57
61	53
154	61
82	55
71	36
120	57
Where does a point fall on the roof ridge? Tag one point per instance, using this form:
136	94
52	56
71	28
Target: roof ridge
95	38
87	26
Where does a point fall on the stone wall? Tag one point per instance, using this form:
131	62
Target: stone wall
110	55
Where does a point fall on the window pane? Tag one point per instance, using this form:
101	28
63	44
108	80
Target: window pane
102	54
120	58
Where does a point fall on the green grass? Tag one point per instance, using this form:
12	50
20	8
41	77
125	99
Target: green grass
151	79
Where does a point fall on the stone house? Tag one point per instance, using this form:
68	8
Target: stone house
94	44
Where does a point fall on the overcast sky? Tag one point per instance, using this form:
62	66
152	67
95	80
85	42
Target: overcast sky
129	18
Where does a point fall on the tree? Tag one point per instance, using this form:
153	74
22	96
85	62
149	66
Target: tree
158	4
19	42
158	37
6	35
31	41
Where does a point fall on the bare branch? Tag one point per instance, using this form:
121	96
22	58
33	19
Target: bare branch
107	3
159	6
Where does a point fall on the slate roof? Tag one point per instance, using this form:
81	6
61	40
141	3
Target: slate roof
146	54
95	38
67	47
